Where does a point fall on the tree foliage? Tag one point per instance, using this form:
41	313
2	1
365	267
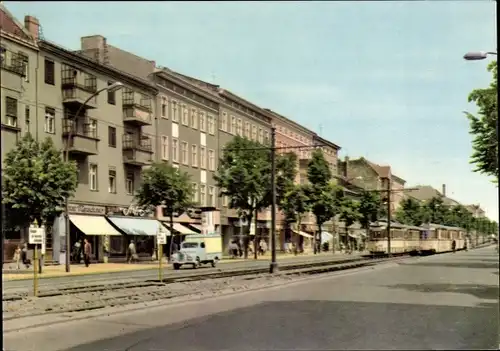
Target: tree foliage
164	185
295	203
483	126
349	211
36	182
410	212
370	204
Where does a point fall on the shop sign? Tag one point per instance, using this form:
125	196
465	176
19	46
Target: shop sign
132	210
87	209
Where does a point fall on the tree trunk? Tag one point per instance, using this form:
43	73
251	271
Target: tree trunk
255	238
318	242
247	236
315	248
172	236
296	238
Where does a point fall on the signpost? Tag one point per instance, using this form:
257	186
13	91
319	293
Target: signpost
161	239
36	237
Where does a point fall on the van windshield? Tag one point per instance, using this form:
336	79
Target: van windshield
189	245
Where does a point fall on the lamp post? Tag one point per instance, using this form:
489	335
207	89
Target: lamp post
481	55
273	268
110	88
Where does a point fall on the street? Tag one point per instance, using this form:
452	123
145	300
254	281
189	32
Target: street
439	302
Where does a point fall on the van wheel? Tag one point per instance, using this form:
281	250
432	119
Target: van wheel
197	263
177	266
214	263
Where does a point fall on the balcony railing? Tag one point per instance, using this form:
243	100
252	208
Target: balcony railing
143	143
79	128
14	62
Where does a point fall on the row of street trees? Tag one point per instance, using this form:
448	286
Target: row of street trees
413	212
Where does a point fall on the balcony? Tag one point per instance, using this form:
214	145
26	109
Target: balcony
137	152
83	140
77	87
136	108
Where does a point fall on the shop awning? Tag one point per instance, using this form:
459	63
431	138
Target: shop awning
138	226
93	225
325	237
303	234
182	229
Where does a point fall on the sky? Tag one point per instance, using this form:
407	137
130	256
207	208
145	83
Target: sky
384	80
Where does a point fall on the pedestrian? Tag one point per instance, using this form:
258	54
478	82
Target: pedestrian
132	252
233	249
17	257
262	247
24	256
453	246
87	251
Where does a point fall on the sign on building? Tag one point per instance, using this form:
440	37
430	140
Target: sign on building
161	239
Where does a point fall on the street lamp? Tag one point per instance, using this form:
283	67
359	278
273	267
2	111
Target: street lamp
478	55
111	89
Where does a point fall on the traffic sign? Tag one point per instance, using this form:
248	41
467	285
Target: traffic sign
37	236
161	239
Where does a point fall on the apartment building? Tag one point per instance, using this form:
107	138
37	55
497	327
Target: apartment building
54	92
365	174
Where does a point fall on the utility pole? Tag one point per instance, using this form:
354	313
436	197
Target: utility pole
274	265
389	193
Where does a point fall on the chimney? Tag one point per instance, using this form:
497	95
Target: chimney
32	25
444	190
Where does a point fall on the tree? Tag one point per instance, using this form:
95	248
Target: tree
244	176
369	209
164	185
36	182
410	212
483	126
322	193
349	214
435	210
294	204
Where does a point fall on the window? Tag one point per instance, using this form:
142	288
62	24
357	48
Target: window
261	135
233	125
92	127
223	122
185	117
194	155
112	136
211	125
266	137
211	160
195	193
129	183
202	121
164	147
225	201
27	114
50	120
203	157
175	111
239	127
49	72
10	111
175	150
194	120
112	181
23	61
203	195
111	95
93	177
164	107
211	196
184	153
254	133
247	130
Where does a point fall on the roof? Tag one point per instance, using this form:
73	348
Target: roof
427	192
289	121
382	171
10	24
325	142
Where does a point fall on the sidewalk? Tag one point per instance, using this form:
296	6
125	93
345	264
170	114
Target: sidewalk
10	273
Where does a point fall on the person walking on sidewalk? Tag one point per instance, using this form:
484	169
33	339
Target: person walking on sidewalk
17	257
87	251
24	256
132	252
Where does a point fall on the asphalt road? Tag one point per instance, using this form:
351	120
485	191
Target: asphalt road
20	286
439	302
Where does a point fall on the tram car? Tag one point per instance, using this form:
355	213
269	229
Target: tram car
404	239
437	238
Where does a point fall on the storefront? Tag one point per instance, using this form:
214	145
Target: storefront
142	231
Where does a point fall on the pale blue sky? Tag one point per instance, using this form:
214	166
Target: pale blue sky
385	80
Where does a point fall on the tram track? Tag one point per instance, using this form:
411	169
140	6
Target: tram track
155	290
